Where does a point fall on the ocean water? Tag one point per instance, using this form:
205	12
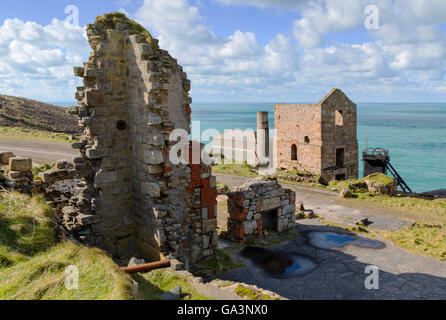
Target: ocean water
415	134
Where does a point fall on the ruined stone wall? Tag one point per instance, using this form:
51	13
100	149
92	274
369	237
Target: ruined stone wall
293	124
254	203
339	135
132	200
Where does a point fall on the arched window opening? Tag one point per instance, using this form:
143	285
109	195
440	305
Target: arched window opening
294	152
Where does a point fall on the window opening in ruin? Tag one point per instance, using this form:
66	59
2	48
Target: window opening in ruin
339	118
340	158
269	220
307	139
294	152
121	125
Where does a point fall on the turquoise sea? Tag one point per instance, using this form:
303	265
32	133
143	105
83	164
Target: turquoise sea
415	134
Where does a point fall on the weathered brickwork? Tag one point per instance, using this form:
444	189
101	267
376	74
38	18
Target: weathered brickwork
319	138
258	205
132	200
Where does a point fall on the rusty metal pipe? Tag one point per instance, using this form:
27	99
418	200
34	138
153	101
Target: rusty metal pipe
147	267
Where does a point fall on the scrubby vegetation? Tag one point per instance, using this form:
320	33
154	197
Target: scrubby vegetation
427	239
109	20
359	185
18	133
251	294
221	262
238	169
33	266
41	168
153	284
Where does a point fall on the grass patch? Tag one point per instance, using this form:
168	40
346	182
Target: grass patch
26	226
405	207
423	238
111	19
32	266
17	133
360	229
154	283
43	276
222	186
41	168
238	169
251	294
221	262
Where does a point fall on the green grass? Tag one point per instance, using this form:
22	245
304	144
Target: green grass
360	229
41	168
222	185
26	227
222	262
403	207
111	19
239	169
32	265
16	133
154	283
251	294
423	238
43	276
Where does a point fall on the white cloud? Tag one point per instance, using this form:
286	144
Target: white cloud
37	61
264	3
240	44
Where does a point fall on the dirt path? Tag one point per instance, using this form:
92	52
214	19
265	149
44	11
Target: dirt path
38	150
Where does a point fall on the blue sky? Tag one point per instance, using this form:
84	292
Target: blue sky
244	50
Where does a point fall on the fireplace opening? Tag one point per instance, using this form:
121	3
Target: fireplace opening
270	221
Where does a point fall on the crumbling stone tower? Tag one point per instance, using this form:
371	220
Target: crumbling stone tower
133	201
319	138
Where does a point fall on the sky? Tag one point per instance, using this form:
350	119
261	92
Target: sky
242	50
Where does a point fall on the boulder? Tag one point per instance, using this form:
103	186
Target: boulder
135	262
379	187
173	294
5	156
345	193
20	164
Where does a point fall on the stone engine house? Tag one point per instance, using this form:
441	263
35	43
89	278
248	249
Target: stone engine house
132	200
319	138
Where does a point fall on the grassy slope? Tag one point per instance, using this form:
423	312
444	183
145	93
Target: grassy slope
30	114
16	133
32	266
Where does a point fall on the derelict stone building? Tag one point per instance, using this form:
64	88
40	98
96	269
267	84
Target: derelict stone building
132	200
319	138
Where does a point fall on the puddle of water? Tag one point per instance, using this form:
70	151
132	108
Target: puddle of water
333	240
301	265
279	264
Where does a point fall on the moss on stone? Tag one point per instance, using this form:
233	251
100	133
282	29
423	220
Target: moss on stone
110	20
379	177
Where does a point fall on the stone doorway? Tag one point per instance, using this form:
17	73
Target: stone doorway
270	221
